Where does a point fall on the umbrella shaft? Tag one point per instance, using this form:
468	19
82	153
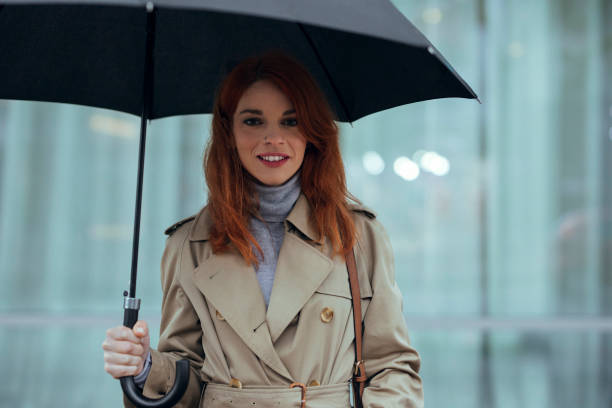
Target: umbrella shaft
147	97
138	207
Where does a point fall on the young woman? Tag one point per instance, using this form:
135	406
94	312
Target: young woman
255	286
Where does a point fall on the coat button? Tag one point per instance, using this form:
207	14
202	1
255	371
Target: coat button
220	316
235	383
327	314
313	383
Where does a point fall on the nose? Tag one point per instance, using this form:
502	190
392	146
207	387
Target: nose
274	135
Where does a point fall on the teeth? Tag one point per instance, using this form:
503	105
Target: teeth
273	158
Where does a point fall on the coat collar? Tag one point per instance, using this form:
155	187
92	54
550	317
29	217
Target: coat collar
299	218
200	229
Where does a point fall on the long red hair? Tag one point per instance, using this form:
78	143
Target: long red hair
231	200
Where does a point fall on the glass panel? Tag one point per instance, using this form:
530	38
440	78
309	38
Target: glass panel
68	182
514	368
56	367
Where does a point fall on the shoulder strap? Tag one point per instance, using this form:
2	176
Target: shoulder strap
359	375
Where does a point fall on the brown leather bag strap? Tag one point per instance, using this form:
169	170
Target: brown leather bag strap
359	375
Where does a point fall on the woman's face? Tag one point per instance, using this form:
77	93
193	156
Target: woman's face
270	146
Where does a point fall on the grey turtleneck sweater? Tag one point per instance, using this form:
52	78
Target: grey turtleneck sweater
275	204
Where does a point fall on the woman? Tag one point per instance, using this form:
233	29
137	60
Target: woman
255	288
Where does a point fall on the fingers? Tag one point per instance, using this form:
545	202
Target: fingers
118	371
123	358
141	330
122	333
120	359
123	347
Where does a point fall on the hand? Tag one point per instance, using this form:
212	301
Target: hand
125	349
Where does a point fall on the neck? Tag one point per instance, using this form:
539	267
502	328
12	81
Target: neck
275	202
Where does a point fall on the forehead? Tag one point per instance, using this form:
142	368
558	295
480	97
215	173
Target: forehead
262	94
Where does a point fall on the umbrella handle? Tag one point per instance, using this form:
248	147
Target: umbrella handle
134	394
131	390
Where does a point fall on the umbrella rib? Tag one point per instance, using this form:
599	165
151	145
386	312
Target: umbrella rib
329	78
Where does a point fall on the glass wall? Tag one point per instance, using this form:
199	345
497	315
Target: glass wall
500	215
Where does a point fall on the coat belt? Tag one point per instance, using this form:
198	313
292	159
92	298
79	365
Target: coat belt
321	396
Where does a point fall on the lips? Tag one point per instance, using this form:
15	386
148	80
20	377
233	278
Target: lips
273	159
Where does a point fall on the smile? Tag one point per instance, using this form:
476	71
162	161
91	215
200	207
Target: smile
273	160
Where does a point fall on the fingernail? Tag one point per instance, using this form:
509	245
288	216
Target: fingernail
139	330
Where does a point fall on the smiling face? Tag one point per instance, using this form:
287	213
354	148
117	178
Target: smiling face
269	143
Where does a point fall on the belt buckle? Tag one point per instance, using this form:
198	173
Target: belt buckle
303	387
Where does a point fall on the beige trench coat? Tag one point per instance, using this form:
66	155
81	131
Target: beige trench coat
213	313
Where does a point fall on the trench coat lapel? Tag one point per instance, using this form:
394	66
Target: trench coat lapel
230	285
300	270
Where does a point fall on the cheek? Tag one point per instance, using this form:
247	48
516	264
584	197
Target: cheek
241	146
300	146
296	138
244	142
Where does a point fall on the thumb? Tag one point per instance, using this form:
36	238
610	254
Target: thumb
141	329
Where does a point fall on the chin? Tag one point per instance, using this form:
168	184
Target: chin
273	181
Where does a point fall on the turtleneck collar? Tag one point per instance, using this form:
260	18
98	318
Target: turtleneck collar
276	202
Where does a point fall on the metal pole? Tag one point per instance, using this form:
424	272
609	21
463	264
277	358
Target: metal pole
486	396
147	97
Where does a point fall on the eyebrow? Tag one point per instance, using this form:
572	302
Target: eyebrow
258	112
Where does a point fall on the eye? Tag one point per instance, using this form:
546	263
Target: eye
252	121
289	122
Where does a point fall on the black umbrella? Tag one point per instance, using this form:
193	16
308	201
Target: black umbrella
166	57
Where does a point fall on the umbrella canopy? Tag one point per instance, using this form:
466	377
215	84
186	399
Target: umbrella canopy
365	55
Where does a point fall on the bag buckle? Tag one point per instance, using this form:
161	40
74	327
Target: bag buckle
358	368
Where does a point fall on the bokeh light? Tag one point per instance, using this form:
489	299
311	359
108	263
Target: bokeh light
373	163
406	168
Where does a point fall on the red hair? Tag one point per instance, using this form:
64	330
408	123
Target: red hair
230	195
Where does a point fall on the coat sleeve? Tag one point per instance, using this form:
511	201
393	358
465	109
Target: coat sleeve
180	330
391	364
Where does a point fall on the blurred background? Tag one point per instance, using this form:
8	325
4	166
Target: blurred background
500	215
